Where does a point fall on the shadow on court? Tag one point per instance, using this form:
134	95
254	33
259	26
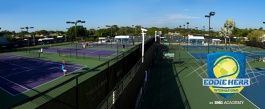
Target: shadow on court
162	90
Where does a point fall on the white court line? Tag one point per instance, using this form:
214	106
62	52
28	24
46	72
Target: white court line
53	79
95	51
249	101
8	92
251	71
14	83
193	56
16	65
43	83
28	70
34	69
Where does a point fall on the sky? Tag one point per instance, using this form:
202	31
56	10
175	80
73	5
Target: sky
53	14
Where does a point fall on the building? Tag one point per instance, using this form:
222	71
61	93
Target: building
123	38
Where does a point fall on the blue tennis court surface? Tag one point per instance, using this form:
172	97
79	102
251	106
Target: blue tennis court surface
249	55
19	74
213	47
255	92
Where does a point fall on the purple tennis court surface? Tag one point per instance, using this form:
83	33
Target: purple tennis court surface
108	45
86	52
19	74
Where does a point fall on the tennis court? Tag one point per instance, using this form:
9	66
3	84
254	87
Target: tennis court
255	91
109	45
86	52
215	47
19	74
202	56
257	75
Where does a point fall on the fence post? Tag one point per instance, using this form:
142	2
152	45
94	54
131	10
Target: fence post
76	78
107	86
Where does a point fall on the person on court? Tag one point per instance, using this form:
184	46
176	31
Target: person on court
63	68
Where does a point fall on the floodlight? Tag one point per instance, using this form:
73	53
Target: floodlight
143	29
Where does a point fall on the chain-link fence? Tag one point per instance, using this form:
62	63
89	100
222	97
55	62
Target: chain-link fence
91	87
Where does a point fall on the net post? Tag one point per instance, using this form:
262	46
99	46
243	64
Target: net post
99	57
58	53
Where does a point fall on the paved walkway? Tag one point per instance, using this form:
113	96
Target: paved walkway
162	89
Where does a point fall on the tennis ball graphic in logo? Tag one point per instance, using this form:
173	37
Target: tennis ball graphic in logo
226	67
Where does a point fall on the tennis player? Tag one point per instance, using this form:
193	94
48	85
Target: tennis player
63	68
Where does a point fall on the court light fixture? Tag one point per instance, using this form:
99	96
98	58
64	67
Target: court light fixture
27	28
187	34
75	23
209	16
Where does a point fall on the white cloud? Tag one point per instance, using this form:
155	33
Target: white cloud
180	16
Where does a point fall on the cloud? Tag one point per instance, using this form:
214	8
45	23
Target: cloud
180	16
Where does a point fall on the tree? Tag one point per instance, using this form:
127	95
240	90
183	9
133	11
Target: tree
165	30
237	32
91	31
80	31
138	30
22	34
256	35
42	32
125	30
151	31
104	32
229	25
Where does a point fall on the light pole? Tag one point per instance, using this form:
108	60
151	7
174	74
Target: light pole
28	44
187	34
203	30
117	41
133	30
209	16
110	29
110	34
77	21
227	35
65	35
143	30
133	34
155	35
99	32
27	28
